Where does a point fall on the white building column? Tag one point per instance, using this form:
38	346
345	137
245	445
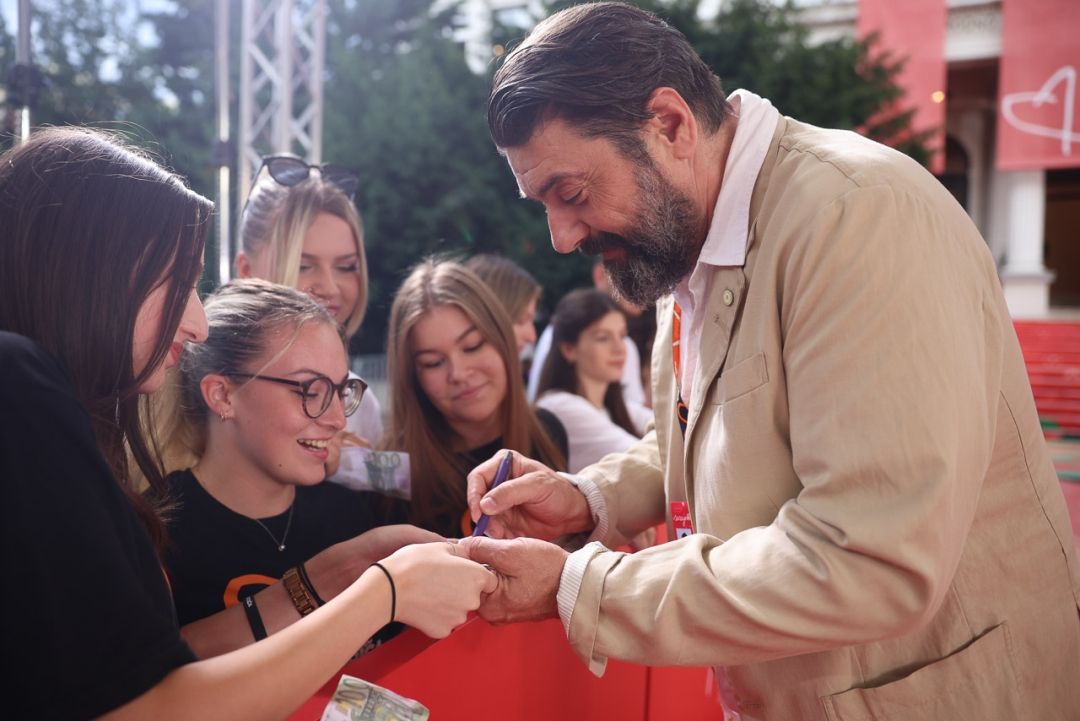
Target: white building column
1025	279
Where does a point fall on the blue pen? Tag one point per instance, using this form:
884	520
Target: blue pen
500	475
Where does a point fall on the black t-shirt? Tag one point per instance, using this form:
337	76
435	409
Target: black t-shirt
87	621
216	556
461	524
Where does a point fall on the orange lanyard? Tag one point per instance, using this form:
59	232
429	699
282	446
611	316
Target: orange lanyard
682	413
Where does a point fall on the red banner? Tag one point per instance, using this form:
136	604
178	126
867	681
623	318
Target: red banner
1038	121
914	30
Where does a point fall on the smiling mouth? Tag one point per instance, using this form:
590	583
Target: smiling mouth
469	394
313	444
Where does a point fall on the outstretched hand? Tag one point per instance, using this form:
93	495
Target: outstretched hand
535	502
334	568
529	572
436	586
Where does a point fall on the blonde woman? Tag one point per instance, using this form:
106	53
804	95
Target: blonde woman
456	391
301	229
515	288
258	401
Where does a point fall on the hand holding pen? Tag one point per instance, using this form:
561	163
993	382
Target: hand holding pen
537	502
500	475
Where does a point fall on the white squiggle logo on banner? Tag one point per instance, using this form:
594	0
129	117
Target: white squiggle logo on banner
1045	95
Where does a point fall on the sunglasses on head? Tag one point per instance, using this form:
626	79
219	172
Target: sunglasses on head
289	170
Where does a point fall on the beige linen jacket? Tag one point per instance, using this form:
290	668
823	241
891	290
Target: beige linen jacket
880	533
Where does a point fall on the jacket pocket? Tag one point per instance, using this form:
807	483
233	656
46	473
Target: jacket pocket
977	682
740	379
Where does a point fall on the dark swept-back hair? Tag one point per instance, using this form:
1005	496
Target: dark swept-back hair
578	310
89	227
595	66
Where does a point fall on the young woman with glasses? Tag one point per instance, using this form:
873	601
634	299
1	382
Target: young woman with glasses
257	403
301	229
100	250
457	394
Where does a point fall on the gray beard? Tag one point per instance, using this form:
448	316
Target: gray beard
663	246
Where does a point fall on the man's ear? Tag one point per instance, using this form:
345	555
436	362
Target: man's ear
217	392
599	277
673	125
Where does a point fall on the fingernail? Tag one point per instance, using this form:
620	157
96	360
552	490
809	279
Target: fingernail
487	505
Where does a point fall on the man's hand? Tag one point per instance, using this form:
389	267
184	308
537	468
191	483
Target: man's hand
534	502
529	572
339	565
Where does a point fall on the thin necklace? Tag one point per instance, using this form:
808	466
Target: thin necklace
288	524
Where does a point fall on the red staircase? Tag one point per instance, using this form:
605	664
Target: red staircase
1052	353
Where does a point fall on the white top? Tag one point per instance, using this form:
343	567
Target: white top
633	391
366	421
725	245
590	432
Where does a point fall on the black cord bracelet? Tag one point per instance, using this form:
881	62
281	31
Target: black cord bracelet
258	630
302	572
393	590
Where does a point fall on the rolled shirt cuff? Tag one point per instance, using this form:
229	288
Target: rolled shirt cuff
597	505
570	581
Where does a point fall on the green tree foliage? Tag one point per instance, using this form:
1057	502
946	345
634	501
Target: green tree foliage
178	70
80	48
403	107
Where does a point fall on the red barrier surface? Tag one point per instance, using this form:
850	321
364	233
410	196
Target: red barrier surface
522	672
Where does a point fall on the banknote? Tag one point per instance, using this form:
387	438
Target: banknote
358	700
364	469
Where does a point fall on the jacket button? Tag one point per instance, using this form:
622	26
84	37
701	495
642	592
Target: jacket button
729	297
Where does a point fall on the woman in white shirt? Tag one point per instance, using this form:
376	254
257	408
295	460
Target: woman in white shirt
580	381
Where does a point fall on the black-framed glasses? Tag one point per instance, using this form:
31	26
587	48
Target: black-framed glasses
290	170
317	393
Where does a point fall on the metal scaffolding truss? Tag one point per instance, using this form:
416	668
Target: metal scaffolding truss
281	92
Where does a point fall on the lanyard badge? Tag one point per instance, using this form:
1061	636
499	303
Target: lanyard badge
680	519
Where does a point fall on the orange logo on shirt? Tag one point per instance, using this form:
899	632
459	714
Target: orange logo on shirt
242	583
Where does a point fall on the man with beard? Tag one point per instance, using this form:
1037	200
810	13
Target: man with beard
866	520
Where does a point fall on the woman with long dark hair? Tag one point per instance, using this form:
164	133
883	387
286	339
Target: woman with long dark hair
580	380
100	249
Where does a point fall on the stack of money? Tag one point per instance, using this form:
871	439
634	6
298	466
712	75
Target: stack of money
358	700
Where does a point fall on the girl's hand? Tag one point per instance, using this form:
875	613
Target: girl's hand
437	586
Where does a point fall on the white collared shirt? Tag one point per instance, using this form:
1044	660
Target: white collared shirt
725	244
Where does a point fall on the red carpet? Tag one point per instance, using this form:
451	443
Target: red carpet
1052	354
